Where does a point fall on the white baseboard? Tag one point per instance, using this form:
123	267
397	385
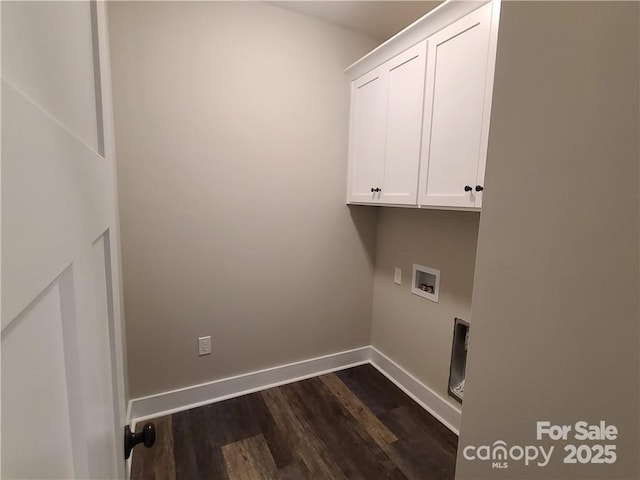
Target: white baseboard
153	406
165	403
449	415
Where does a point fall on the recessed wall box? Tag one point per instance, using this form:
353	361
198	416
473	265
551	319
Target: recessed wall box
458	359
426	282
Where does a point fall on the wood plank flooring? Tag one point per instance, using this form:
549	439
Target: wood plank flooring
352	424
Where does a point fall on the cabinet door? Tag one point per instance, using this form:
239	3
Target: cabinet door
455	109
367	137
405	104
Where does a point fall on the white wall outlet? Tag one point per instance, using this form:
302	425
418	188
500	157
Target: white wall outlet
397	276
204	345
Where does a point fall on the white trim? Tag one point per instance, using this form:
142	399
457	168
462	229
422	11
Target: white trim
449	415
165	403
153	406
433	21
106	149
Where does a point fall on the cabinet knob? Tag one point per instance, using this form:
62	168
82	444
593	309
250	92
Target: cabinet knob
375	189
479	188
467	188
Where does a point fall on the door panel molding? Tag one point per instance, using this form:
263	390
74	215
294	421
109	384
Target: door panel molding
60	231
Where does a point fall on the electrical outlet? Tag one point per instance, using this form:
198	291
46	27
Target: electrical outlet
204	345
397	276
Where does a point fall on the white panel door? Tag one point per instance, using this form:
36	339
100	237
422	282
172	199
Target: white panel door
62	369
367	137
404	125
456	112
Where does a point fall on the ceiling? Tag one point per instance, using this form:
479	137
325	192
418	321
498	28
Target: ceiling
378	19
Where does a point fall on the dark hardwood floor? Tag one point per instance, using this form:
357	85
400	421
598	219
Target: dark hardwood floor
352	424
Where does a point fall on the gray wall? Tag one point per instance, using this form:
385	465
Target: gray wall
231	128
415	332
555	304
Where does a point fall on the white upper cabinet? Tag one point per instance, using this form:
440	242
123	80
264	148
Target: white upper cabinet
420	106
405	74
367	136
386	130
457	103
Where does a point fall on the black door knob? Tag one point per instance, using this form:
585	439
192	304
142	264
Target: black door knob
372	190
147	437
479	188
375	189
467	188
